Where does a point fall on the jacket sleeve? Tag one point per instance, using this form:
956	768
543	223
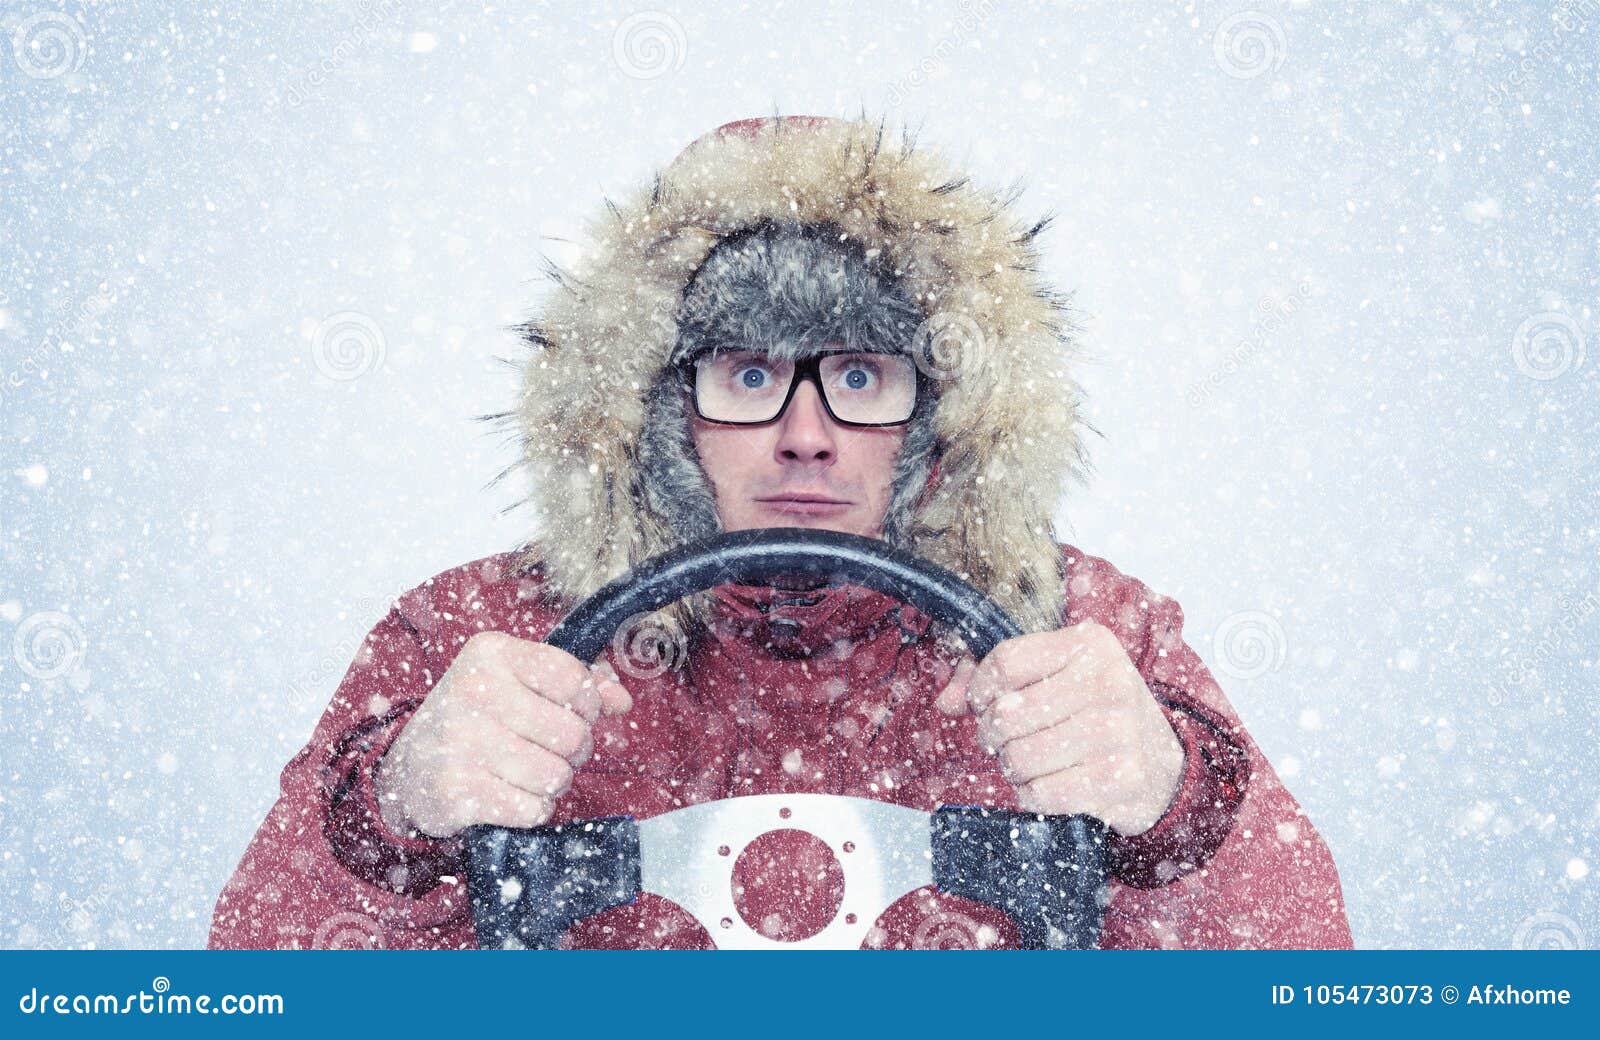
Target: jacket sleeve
1211	789
323	870
1234	862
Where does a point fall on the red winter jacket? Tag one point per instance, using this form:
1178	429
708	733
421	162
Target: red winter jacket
842	703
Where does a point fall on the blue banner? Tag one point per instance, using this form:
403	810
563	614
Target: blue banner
945	993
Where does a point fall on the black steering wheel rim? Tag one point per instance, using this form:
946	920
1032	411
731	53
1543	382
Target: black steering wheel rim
760	555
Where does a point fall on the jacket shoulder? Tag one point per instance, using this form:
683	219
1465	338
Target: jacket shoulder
1098	591
505	592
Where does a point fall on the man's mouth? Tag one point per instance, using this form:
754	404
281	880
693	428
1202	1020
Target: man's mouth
805	504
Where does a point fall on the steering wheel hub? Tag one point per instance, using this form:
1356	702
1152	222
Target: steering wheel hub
787	884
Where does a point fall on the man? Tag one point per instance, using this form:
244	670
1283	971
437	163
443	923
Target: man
795	325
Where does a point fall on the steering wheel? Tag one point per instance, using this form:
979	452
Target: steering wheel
527	886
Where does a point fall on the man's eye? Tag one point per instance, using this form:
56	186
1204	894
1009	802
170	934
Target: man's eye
856	378
753	378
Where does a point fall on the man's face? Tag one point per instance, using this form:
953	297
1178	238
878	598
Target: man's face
801	470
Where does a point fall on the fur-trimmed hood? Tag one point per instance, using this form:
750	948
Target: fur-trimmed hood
995	336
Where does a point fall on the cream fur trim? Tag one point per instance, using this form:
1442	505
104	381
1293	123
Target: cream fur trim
1007	418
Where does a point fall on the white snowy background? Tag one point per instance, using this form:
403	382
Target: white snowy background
1338	268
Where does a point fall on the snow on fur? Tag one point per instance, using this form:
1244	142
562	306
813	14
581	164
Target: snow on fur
999	338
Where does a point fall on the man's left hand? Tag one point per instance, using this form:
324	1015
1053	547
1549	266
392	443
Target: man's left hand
1074	725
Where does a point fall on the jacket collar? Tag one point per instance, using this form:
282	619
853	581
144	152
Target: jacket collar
789	623
798	651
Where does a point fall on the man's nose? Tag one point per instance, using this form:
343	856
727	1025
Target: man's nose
805	433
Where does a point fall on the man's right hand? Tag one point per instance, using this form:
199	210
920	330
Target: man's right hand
497	739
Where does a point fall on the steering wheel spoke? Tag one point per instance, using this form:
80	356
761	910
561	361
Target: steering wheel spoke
689	856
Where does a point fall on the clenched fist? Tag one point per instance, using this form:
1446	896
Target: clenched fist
1074	725
497	739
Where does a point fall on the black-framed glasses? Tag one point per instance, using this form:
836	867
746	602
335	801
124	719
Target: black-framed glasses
747	388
